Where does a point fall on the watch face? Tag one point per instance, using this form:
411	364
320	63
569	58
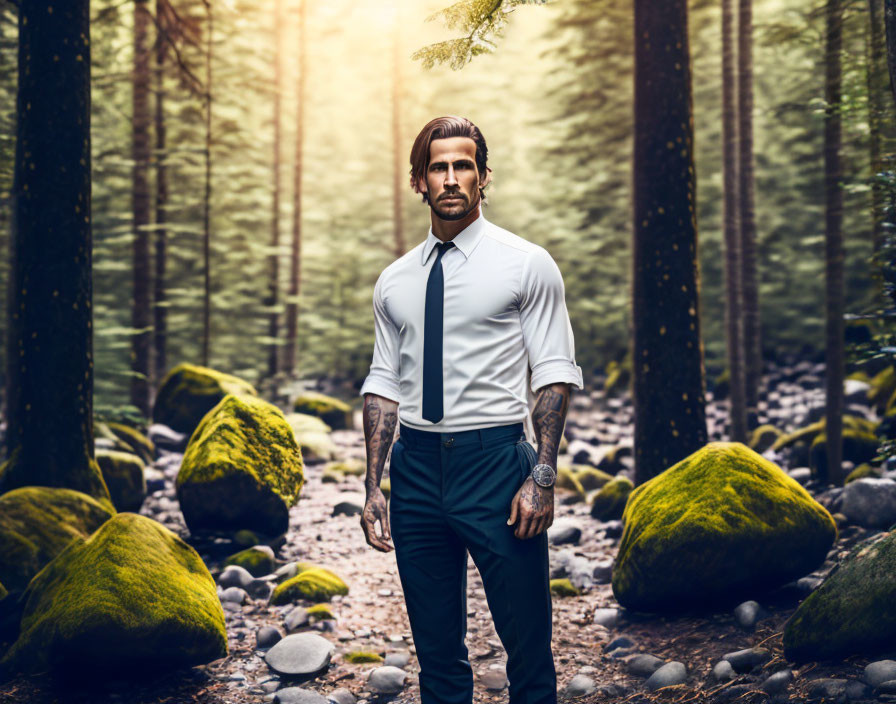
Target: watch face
543	475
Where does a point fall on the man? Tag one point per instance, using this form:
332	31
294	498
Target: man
459	320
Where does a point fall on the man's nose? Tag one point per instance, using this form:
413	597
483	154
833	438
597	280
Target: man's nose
450	178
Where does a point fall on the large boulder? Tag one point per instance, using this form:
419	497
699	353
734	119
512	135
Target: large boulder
188	392
849	614
242	469
335	413
123	474
36	523
133	597
722	524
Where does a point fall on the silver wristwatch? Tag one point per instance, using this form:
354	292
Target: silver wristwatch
544	475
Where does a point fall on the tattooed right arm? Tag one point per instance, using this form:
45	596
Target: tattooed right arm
380	418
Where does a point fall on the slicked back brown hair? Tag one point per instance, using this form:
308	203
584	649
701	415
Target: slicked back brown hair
443	128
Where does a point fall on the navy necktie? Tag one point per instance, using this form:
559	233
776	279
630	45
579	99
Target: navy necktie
432	339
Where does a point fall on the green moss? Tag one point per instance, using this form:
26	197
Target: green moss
3	592
763	437
313	436
330	477
722	524
808	433
858	447
386	487
851	612
189	391
619	375
355	468
563	587
320	612
335	413
590	478
882	387
246	538
123	474
567	480
609	501
36	523
242	468
859	376
255	561
362	656
130	597
862	471
138	443
314	584
722	385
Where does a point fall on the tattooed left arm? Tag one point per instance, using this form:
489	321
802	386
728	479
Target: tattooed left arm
532	504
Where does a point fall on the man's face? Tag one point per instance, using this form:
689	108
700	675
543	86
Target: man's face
452	179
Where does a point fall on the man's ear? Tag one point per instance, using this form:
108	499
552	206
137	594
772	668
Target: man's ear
419	185
485	179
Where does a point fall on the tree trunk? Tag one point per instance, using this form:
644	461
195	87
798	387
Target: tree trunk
207	198
670	417
752	330
160	309
274	283
876	77
890	21
398	183
295	260
833	195
50	354
141	318
733	270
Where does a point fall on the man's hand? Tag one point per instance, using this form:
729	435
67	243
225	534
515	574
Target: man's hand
375	510
534	506
380	417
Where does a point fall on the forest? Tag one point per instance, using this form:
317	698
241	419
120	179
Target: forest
198	198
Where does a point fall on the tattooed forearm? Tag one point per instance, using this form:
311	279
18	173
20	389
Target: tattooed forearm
380	417
548	417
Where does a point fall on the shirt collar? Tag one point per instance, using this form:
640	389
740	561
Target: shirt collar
465	240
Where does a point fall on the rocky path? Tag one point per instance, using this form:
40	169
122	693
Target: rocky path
602	653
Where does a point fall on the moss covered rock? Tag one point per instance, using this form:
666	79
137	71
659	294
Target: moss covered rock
123	474
257	560
566	480
589	477
130	597
609	501
335	413
312	583
563	587
36	523
851	612
763	437
722	524
139	444
883	384
362	656
354	468
242	469
189	391
862	471
313	436
858	447
808	433
320	612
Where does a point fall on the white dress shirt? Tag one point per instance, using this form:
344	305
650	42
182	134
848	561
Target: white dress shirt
504	313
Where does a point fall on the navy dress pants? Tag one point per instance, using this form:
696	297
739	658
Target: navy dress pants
450	493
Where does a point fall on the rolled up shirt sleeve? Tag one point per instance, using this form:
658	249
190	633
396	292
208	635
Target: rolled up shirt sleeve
547	331
383	379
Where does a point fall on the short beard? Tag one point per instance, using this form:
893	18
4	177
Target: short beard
453	218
